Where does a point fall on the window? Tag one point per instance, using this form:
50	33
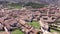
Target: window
45	18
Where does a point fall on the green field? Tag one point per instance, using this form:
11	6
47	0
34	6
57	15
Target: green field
35	24
17	32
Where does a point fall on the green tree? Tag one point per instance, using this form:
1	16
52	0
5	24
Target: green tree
35	5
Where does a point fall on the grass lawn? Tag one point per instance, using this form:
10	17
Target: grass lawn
35	24
17	32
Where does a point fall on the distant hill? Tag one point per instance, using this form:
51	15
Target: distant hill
35	1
